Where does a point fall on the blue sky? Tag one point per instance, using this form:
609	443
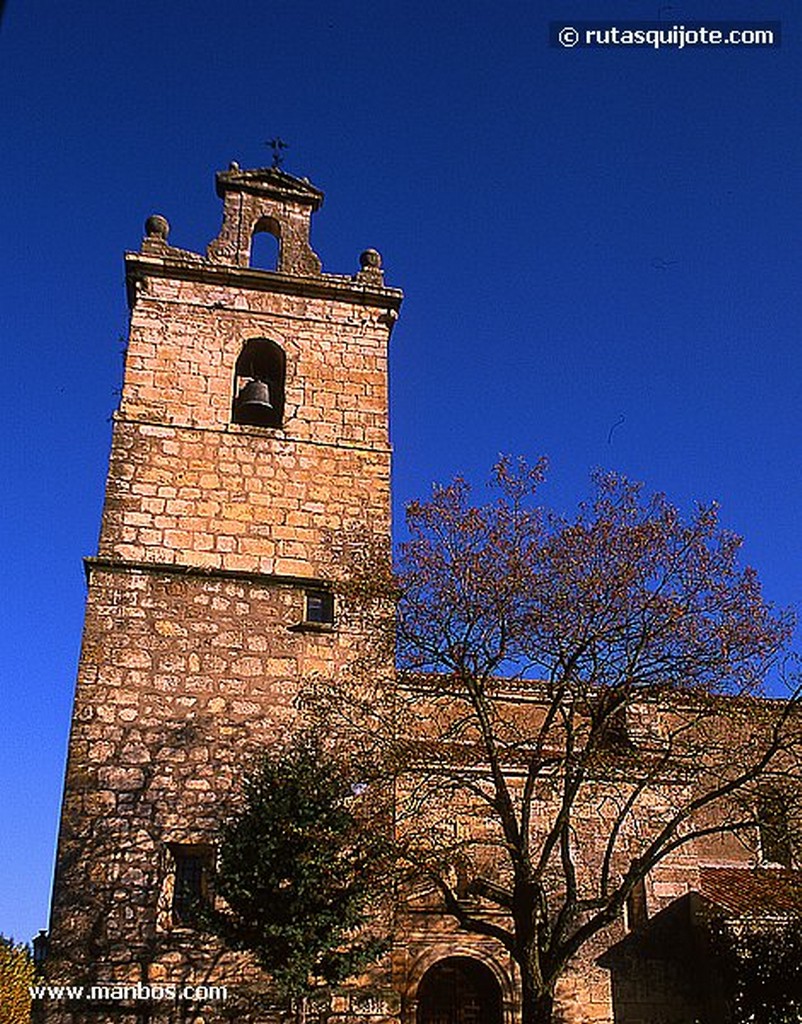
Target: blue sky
585	239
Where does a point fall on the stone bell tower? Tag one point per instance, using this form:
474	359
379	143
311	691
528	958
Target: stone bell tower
252	427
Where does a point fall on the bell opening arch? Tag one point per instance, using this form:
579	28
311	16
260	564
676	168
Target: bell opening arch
259	378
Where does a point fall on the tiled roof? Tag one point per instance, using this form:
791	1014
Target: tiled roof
753	891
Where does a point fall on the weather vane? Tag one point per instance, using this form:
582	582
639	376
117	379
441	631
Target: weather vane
277	145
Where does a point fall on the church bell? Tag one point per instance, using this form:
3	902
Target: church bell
254	401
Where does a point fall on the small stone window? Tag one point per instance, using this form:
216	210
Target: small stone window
259	384
191	889
319	607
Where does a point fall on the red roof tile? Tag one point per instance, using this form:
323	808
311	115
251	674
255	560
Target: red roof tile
753	891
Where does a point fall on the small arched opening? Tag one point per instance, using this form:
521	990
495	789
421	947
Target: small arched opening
459	990
259	384
266	244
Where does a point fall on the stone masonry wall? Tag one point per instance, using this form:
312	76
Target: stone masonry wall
182	681
237	501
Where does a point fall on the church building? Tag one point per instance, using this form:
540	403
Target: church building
252	428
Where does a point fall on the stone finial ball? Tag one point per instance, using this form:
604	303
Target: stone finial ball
157	227
370	260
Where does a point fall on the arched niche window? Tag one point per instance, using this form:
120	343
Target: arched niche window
266	244
259	384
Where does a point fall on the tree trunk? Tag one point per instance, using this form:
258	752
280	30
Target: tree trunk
536	1006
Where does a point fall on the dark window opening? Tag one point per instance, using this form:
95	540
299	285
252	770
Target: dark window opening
320	607
637	913
775	839
259	384
614	732
191	891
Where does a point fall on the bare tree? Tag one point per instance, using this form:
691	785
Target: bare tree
529	678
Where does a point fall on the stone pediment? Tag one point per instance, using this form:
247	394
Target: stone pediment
269	181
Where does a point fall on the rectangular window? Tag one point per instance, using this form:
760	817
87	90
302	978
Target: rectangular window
190	883
320	607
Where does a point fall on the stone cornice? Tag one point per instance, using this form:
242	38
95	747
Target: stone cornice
266	579
139	267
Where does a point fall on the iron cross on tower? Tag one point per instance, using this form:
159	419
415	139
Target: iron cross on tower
277	145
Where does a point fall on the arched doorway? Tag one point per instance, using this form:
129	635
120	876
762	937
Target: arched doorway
459	990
